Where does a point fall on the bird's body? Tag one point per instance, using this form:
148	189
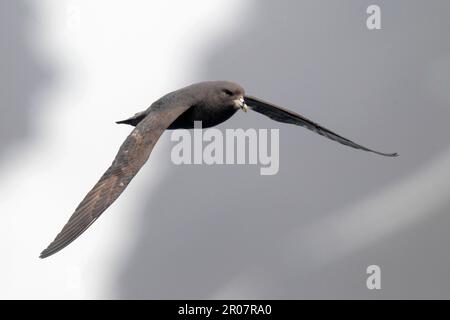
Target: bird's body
202	112
211	102
204	103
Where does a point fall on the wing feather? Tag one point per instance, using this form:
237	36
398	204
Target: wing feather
132	155
287	116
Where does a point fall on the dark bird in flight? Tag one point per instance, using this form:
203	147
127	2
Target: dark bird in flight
212	103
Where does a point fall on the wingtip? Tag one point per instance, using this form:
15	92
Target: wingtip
384	154
47	253
392	155
43	255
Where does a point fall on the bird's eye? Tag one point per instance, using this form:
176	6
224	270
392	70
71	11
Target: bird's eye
228	92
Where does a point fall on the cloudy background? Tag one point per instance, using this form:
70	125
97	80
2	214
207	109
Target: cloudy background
69	69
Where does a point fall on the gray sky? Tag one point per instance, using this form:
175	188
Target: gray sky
225	231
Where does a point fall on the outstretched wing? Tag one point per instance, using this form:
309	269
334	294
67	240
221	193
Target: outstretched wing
132	155
284	115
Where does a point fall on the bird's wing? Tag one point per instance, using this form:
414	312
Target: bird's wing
284	115
132	155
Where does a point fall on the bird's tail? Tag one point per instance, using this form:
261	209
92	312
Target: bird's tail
134	120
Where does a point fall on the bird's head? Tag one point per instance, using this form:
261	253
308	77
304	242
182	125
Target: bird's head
231	95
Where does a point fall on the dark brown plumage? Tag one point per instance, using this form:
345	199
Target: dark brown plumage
283	115
210	102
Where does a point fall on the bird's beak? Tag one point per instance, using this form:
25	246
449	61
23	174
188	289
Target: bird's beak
242	105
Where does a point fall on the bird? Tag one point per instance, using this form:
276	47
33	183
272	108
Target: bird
211	102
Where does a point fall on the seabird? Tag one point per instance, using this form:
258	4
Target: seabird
211	102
